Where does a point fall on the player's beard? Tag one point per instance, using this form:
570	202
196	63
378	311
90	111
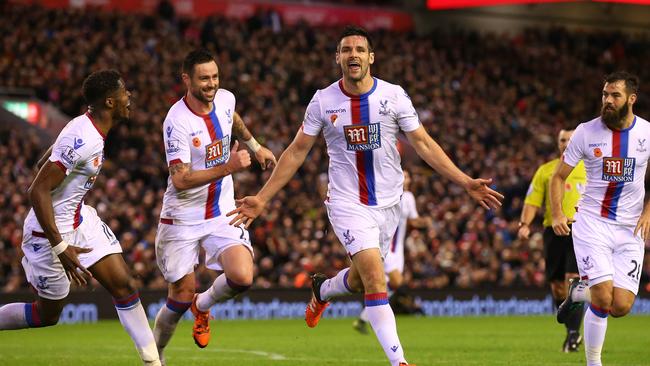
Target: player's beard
122	113
613	118
362	74
198	94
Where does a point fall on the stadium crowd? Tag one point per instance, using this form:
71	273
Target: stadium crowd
493	101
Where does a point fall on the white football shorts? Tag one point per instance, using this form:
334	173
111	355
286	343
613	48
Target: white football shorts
177	246
607	251
394	260
44	270
359	227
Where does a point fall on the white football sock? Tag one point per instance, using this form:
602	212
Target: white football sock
221	290
335	286
13	316
166	321
382	320
595	327
134	320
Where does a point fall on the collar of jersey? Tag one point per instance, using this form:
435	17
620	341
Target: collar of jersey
360	96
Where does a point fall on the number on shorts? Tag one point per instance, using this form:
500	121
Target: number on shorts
242	233
635	273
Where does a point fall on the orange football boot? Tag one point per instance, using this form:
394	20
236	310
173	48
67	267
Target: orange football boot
316	306
201	328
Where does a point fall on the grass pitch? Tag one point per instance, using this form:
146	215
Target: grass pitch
428	341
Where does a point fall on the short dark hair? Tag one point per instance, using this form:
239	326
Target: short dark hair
353	30
198	56
99	85
631	80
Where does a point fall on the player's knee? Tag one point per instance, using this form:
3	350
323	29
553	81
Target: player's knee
395	282
620	309
240	282
355	286
182	294
375	283
49	320
48	317
602	300
38	314
125	287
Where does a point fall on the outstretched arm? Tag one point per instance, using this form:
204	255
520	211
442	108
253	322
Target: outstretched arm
263	155
291	159
432	154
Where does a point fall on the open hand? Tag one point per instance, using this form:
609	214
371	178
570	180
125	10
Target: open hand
479	189
248	208
70	261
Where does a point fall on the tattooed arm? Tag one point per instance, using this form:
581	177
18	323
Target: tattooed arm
183	177
239	128
263	155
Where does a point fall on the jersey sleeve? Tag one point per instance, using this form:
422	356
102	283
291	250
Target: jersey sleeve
407	116
536	190
575	150
177	147
411	208
313	123
231	101
67	151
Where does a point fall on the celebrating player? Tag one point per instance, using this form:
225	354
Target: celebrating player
611	223
360	117
559	256
63	237
197	133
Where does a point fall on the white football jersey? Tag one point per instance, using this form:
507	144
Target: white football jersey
361	136
616	163
409	211
79	151
203	141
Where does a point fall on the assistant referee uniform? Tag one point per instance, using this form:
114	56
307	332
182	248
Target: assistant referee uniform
558	250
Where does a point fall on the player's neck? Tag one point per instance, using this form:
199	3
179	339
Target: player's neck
102	120
358	87
198	106
624	123
627	121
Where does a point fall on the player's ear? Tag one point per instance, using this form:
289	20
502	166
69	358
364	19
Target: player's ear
632	98
371	59
338	57
186	79
109	102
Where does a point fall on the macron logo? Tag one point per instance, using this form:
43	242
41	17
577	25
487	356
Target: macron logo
394	348
331	111
78	143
